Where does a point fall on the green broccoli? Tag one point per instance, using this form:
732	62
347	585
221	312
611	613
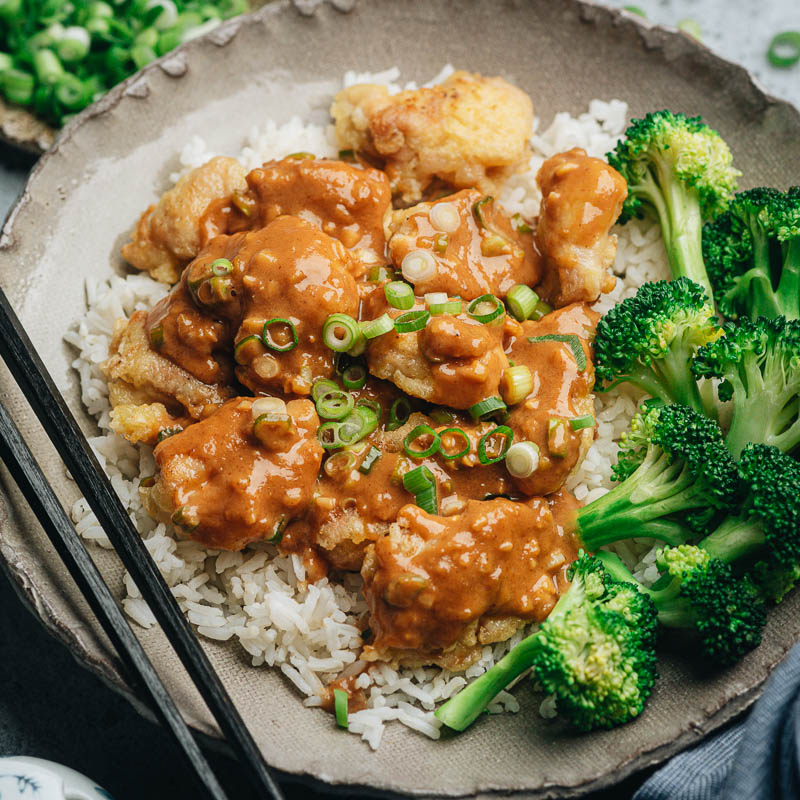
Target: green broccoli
760	364
650	339
680	172
752	254
676	476
595	653
702	593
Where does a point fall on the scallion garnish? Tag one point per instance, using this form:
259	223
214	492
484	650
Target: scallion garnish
340	700
487	408
478	211
419	432
567	338
522	459
784	49
340	332
399	295
441	416
516	384
412	321
354	377
380	274
521	301
221	266
270	428
321	385
447	446
334	403
427	501
377	327
557	437
165	433
485	308
399	413
520	225
445	217
508	437
373	405
369	461
418	266
277	531
282	324
418	479
440	242
156	336
579	423
452	307
541	310
301	155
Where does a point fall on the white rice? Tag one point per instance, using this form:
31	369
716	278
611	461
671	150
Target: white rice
260	599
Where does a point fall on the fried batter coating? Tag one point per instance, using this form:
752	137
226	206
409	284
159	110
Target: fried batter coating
223	484
468	131
169	234
476	248
581	200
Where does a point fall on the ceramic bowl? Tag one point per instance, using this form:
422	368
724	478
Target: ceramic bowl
26	778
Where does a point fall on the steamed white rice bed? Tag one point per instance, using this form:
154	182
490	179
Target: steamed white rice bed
259	598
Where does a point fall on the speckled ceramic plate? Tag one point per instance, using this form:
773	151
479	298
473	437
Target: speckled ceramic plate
112	161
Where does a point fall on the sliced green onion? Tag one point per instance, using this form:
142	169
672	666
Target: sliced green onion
442	417
302	155
247	349
521	300
435	298
440	242
516	384
377	327
266	335
267	426
347	155
478	211
329	435
784	49
399	413
692	27
74	44
221	266
579	423
47	67
277	531
412	321
156	335
368	421
495	245
452	307
373	405
417	433
541	310
567	338
165	433
321	386
10	10
340	698
522	459
508	438
370	459
453	432
71	92
340	332
445	217
6	62
380	274
635	10
244	204
148	482
487	408
418	479
426	500
519	224
399	294
339	465
335	404
485	308
419	266
557	438
18	86
354	377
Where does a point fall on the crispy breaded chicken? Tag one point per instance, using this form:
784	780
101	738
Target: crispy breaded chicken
148	392
168	234
581	200
468	131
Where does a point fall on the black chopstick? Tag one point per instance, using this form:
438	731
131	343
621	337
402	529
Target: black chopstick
49	406
16	455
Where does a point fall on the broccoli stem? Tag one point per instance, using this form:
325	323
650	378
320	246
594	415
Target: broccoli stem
788	290
462	710
735	538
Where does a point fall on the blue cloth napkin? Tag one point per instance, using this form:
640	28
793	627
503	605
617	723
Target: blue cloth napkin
758	759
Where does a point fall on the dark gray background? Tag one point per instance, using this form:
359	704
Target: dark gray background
52	708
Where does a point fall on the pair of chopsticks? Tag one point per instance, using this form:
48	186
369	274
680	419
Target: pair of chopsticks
47	403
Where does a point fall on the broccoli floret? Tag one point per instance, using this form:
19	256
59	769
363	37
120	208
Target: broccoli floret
680	172
752	254
702	593
650	339
675	476
760	364
595	653
774	581
768	520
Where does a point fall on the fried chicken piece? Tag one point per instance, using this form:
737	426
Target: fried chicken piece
581	200
138	376
471	240
468	131
169	234
438	588
291	271
346	201
562	391
454	360
227	481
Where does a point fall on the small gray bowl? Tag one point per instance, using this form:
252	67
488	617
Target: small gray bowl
86	193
